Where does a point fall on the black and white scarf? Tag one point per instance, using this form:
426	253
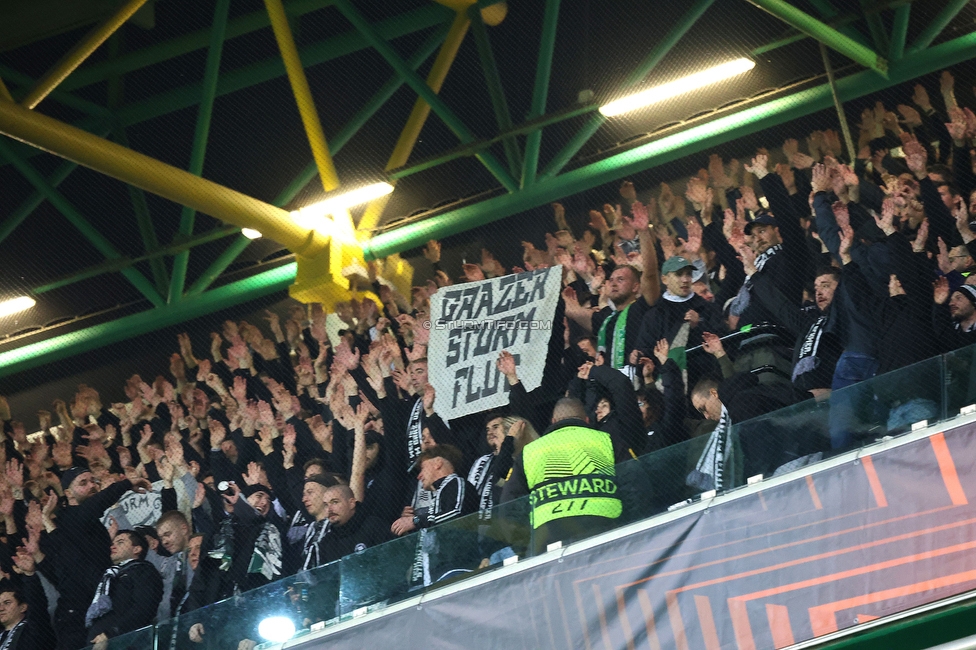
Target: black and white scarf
480	477
9	637
310	549
414	432
807	359
709	473
266	556
102	603
741	301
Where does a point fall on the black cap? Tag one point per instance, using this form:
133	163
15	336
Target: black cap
763	219
324	480
69	475
248	490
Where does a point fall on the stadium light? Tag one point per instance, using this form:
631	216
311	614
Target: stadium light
276	629
677	87
251	233
313	216
14	305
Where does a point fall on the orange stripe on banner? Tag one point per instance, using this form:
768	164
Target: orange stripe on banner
762	501
645	604
813	493
771	549
850	573
823	619
583	617
876	489
864	618
779	625
707	622
624	620
677	623
824	556
598	597
948	469
740	624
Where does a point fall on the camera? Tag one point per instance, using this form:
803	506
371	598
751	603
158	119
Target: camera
225	487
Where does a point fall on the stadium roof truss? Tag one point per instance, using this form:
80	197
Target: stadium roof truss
322	259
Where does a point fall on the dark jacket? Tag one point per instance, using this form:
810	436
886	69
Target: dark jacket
35	632
800	323
789	269
362	531
136	592
82	550
624	424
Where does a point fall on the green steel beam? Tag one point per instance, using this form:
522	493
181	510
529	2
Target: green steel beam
273	68
357	121
24	83
98	72
690	141
72	214
939	23
830	37
496	91
540	91
899	32
24	210
838	22
211	74
115	265
140	206
375	39
470	149
879	35
827	11
660	50
219	265
66	345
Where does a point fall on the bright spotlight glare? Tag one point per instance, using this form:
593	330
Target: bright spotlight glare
15	305
276	629
677	87
250	233
346	200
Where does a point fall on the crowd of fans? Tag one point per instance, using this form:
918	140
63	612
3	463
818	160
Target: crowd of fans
761	286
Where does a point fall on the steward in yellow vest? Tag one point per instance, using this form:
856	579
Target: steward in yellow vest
570	478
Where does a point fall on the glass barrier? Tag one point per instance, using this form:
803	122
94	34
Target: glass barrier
770	444
141	639
851	417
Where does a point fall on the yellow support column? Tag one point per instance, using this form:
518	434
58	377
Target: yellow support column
149	174
303	94
79	53
421	109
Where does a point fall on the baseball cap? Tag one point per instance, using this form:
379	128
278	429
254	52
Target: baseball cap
676	263
763	219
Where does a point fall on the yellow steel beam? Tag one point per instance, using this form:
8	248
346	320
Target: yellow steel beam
303	94
157	177
79	53
421	109
4	93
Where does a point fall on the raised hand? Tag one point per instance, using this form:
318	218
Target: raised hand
760	166
506	364
713	344
821	179
661	351
940	293
628	192
14	474
945	265
641	217
915	157
583	372
749	199
921	237
432	251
